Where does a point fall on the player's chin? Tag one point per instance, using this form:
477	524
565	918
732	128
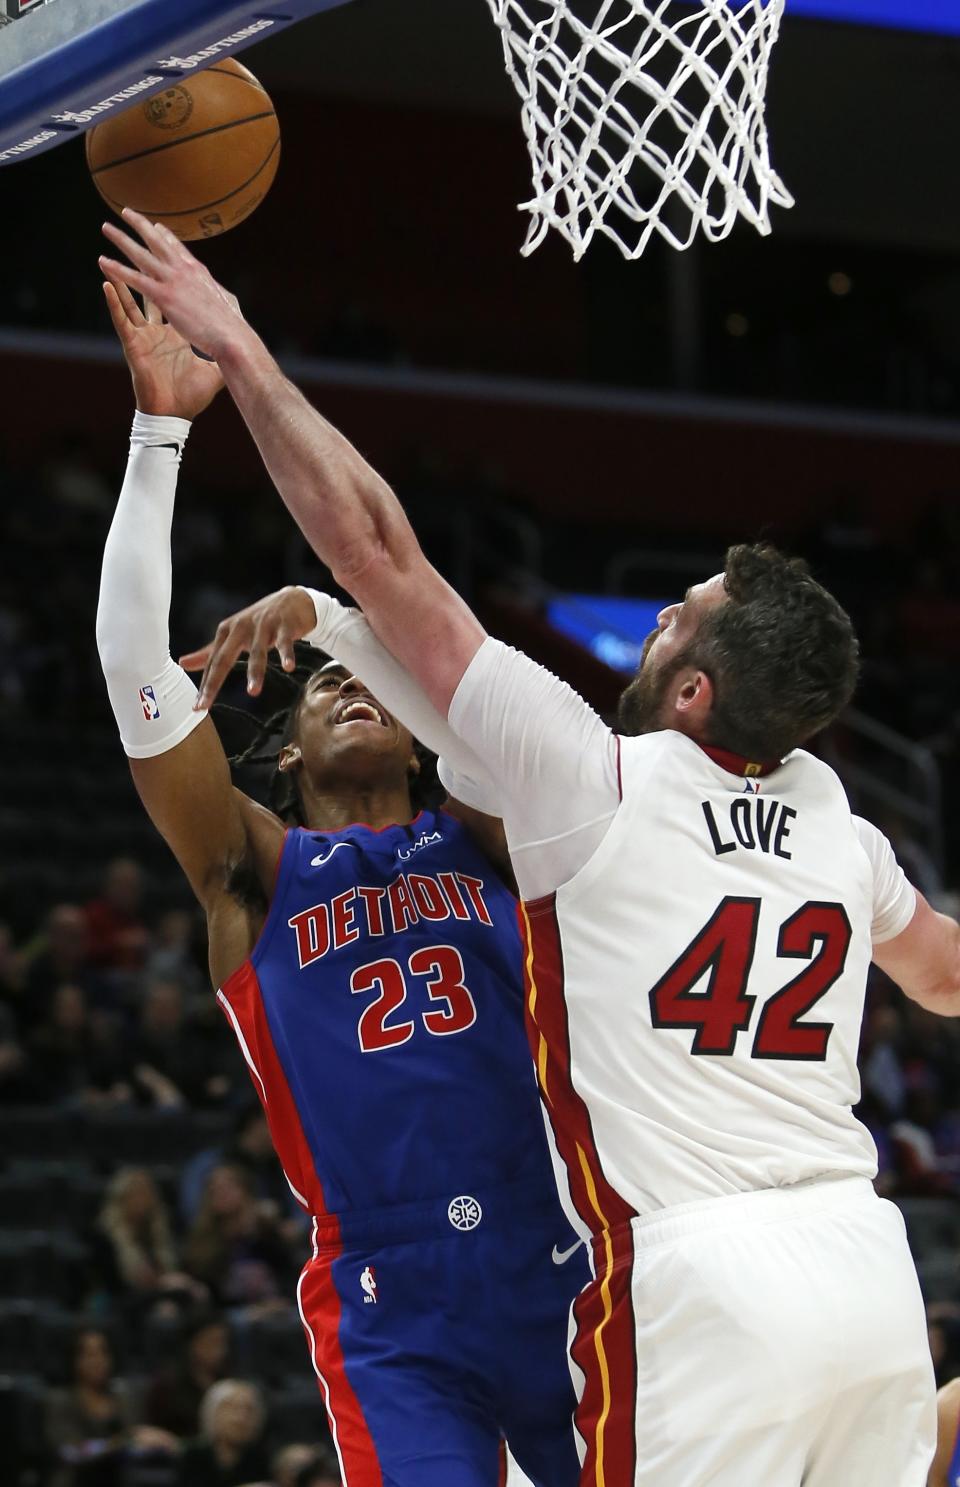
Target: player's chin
360	730
368	741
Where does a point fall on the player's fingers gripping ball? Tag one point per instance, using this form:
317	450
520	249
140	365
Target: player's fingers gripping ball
198	157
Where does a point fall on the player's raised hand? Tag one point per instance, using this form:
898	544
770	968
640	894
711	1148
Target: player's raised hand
168	377
273	623
165	272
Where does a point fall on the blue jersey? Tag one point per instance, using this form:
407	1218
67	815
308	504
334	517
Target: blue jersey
953	1471
381	1016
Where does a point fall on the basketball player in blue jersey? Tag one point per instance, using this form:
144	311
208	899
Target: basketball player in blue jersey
945	1471
372	975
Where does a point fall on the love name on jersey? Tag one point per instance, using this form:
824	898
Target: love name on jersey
756	825
373	912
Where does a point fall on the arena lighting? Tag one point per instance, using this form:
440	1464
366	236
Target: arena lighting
612	628
941	16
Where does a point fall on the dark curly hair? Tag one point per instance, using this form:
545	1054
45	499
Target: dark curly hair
782	655
272	734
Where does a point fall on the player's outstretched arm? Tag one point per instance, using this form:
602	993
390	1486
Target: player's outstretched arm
275	622
177	761
528	729
349	515
924	960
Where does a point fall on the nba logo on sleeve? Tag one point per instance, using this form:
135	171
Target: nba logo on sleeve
148	701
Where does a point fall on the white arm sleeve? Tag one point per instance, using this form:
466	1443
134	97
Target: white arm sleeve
551	764
346	635
894	897
151	696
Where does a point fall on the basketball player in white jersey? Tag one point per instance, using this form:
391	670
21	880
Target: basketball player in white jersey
701	909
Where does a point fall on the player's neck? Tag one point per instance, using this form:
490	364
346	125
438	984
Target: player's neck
326	809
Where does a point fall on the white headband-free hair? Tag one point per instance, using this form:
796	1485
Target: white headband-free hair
221	1391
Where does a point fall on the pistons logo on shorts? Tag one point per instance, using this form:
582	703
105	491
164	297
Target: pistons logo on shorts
148	701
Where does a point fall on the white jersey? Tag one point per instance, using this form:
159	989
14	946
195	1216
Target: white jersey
711	958
696	985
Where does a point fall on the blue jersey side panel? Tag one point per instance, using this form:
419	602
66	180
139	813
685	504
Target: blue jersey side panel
391	979
953	1471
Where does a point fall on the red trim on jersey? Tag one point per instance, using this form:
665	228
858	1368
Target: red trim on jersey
242	994
320	1309
598	1204
606	1414
738	764
605	1344
502	1473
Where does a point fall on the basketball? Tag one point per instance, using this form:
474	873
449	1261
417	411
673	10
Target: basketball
198	157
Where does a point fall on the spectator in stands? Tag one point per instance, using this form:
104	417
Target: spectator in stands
135	1256
117	936
306	1466
74	479
173	952
251	1148
15	1085
226	1080
323	1473
236	1246
919	1174
230	1452
59	954
12	972
90	1422
177	1391
75	1057
290	1462
881	1064
167	1063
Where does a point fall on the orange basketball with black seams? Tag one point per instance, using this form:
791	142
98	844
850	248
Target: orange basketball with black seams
198	157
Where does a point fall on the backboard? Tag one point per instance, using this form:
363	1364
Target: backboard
67	64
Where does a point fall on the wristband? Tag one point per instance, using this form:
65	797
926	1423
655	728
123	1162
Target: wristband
159	430
328	610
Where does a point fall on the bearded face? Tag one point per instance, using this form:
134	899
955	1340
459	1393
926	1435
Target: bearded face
642	706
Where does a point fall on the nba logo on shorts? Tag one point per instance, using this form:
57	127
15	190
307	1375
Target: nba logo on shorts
368	1282
148	701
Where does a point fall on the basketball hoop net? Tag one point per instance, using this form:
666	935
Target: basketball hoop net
649	117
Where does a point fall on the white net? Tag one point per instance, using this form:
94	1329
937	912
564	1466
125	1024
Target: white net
643	116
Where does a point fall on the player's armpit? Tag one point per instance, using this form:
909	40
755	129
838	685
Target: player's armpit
924	960
189	796
488	833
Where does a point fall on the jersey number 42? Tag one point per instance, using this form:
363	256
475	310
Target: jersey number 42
818	933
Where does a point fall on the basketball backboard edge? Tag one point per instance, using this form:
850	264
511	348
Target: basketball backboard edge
76	62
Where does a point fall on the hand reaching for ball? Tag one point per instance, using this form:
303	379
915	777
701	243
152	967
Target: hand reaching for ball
166	273
168	378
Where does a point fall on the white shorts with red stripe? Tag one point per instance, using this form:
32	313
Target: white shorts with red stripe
769	1339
